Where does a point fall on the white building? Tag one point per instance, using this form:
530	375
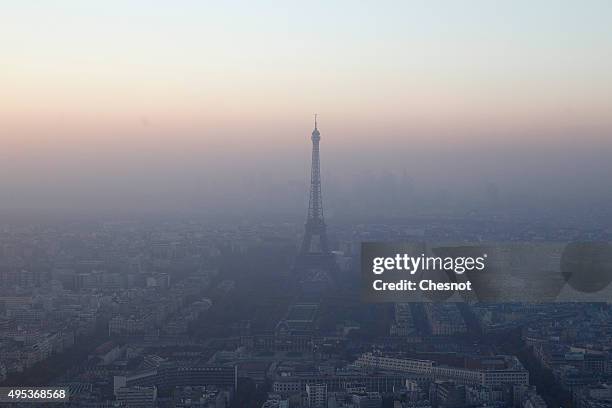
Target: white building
317	395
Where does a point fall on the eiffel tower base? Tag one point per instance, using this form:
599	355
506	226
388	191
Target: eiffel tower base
316	274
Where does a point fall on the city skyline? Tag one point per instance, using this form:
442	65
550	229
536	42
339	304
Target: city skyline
173	234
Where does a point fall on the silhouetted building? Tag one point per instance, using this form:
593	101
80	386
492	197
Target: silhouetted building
315	265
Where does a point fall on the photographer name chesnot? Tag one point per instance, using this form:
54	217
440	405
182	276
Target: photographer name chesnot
423	285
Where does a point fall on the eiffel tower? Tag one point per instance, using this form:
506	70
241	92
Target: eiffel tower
315	262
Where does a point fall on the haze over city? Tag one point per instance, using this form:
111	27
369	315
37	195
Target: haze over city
147	106
321	204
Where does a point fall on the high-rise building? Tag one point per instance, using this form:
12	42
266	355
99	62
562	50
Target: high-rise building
317	395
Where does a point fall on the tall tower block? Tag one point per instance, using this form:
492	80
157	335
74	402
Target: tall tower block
315	264
315	234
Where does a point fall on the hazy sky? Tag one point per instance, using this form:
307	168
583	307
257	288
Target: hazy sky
115	102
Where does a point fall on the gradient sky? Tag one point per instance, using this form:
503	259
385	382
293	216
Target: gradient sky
143	93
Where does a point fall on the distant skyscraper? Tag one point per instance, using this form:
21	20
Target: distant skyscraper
315	261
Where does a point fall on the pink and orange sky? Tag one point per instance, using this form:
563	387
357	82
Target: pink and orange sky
198	84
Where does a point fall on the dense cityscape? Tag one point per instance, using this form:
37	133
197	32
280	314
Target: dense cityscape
186	313
198	312
180	228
